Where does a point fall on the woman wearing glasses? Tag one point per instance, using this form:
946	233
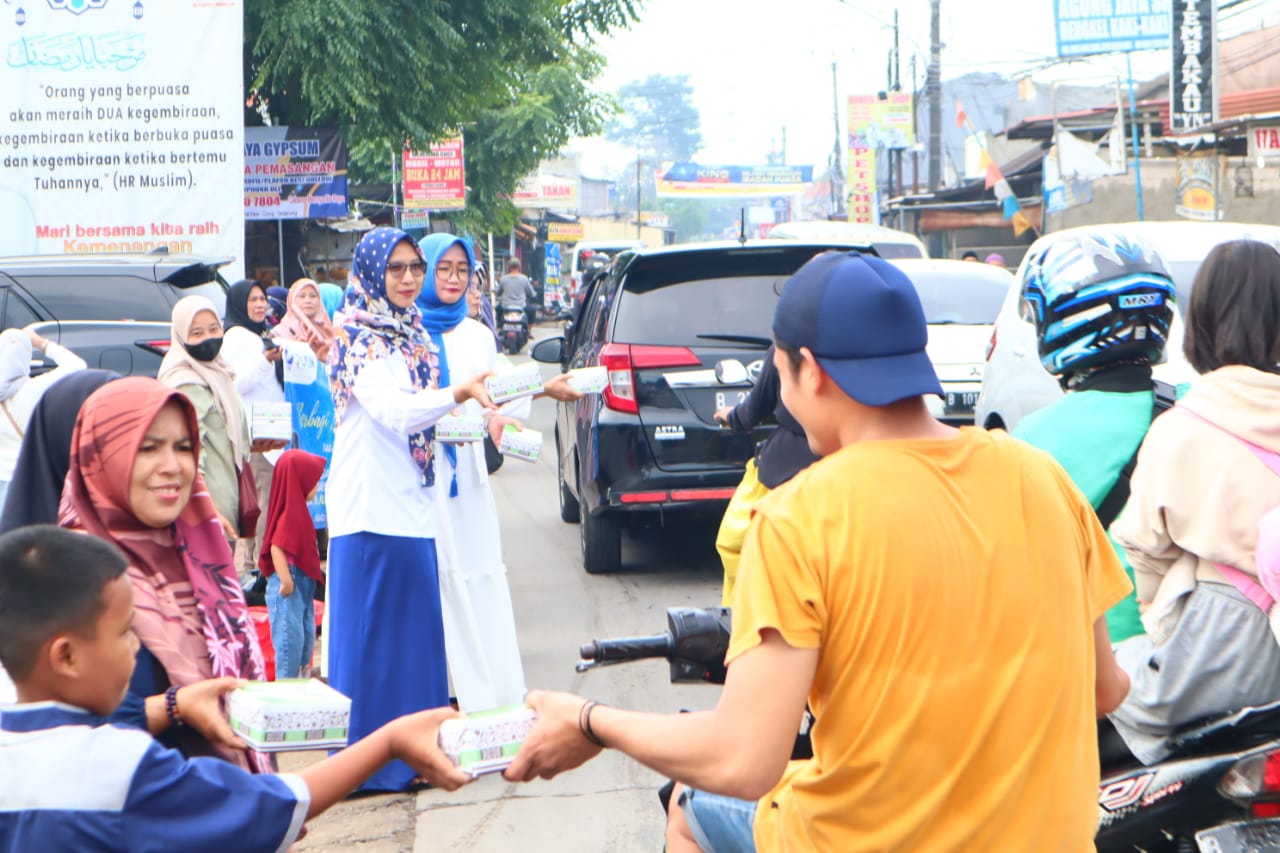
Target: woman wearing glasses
386	648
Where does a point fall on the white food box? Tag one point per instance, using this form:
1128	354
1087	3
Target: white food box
289	715
272	421
522	381
486	742
523	444
589	380
460	428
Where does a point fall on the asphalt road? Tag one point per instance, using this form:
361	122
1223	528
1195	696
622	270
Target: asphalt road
611	803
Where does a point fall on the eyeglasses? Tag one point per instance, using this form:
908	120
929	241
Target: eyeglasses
447	271
399	268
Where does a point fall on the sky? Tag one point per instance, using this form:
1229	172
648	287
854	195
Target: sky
758	66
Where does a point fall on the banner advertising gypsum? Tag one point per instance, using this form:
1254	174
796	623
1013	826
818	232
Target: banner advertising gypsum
122	133
294	173
436	179
1191	101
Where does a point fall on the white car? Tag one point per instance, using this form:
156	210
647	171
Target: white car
1015	383
889	243
961	300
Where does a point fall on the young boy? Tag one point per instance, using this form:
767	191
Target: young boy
68	782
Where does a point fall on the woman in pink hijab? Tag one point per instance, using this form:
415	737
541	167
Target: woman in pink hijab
307	321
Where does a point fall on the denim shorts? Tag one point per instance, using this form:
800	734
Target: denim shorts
719	824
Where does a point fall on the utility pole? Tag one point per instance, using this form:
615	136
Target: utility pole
933	89
837	183
638	162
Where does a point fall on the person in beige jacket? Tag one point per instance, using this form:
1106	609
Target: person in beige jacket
1197	495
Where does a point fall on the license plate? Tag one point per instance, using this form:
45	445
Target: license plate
729	398
1241	836
961	401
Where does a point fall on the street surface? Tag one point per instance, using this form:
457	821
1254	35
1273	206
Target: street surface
610	804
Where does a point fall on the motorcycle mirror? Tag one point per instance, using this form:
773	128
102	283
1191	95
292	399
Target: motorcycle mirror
730	371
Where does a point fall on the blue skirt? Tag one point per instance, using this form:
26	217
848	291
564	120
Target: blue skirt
386	637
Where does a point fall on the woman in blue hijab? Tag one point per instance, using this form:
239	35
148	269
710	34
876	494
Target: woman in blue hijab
331	297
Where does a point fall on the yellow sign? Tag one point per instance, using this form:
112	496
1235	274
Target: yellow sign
564	232
1196	181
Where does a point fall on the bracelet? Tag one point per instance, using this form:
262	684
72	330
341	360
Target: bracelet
171	706
584	723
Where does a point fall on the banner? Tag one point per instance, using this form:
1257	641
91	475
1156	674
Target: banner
1264	141
861	173
1196	181
306	388
1191	81
546	191
294	173
884	122
692	180
1111	26
565	232
436	179
554	299
116	135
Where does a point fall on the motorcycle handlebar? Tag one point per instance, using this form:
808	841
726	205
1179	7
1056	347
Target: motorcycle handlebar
628	648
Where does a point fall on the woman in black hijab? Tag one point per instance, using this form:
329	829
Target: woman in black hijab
36	488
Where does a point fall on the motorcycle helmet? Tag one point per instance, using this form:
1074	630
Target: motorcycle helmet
1098	298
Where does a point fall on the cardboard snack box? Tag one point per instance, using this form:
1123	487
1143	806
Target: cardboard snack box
273	421
487	741
460	428
512	384
523	444
589	380
289	715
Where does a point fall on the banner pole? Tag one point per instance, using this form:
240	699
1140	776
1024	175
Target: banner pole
280	245
1133	117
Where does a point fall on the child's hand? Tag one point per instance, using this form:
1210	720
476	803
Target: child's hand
415	741
200	707
286	584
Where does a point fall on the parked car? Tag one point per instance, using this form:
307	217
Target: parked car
961	301
648	448
889	243
1015	383
111	310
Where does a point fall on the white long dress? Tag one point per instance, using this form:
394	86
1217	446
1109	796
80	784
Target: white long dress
479	624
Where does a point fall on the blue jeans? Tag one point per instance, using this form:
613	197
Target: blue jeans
293	623
720	824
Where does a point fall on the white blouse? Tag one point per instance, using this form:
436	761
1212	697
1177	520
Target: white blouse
374	484
21	404
255	376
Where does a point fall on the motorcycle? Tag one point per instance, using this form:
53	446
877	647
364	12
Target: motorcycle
514	331
1219	792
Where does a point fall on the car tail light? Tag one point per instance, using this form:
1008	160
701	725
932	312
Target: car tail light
643	497
622	360
991	344
160	347
702	494
1256	778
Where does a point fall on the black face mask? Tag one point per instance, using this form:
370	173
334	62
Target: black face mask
206	350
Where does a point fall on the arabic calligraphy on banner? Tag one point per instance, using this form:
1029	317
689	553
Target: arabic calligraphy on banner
115	135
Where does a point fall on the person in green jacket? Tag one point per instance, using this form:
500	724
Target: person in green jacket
1102	304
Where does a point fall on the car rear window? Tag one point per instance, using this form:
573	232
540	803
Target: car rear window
100	297
948	298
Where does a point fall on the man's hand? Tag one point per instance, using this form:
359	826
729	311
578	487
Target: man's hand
200	707
498	423
556	744
266	445
722	415
557	388
474	389
286	584
415	741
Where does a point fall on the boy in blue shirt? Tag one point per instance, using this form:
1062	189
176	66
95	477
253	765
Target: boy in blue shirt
70	782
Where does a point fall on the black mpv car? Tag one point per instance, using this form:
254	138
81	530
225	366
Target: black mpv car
660	322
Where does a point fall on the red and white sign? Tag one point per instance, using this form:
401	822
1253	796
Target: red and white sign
1264	141
436	179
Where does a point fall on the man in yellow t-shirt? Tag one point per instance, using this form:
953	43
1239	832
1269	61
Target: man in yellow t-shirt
937	597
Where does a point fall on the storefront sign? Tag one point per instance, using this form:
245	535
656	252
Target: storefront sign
1191	101
115	136
1264	141
1197	187
564	232
546	191
861	174
1111	26
695	180
436	179
294	173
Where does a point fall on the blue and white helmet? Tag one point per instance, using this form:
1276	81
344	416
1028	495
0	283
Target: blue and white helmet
1098	298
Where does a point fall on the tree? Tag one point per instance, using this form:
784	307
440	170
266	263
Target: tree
513	75
658	119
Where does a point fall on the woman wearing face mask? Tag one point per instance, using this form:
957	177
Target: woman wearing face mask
254	358
195	367
386	640
132	481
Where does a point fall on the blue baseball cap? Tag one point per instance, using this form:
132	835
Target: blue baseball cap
861	318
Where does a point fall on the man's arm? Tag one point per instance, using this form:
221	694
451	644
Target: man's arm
1111	683
740	749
